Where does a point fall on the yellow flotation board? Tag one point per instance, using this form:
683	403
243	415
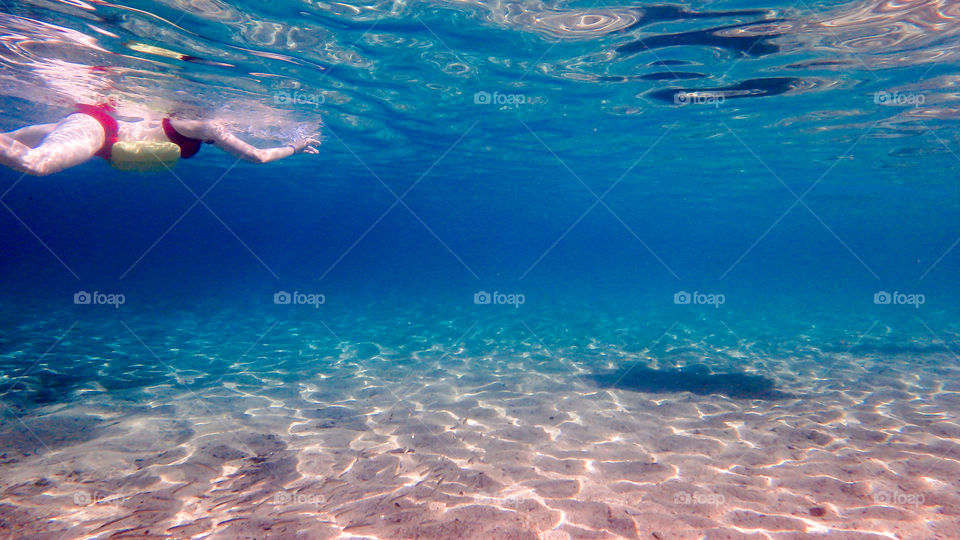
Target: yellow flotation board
144	156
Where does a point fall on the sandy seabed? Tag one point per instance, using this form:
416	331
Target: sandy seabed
303	439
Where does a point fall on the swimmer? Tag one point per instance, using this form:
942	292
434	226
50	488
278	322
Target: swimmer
93	131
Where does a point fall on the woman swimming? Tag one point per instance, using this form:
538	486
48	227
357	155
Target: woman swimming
146	145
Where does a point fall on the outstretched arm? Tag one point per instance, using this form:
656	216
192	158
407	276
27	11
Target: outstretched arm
228	142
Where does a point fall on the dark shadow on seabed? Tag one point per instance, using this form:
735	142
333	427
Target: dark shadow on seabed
697	380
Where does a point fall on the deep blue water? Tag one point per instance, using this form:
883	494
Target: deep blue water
818	171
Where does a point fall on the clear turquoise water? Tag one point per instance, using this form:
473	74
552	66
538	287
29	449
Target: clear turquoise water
598	161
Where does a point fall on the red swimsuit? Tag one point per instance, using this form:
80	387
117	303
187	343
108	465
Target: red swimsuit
103	114
188	147
111	130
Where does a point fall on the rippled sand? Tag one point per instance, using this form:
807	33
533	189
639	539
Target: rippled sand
305	436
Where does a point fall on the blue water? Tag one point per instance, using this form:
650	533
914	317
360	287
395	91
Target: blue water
786	168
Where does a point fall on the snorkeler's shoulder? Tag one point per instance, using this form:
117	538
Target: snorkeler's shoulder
198	129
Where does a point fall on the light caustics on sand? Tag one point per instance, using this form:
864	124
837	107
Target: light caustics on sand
478	442
376	425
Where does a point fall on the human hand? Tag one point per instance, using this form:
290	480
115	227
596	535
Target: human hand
306	146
